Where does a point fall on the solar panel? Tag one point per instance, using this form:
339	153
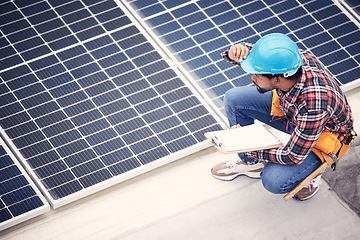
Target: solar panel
20	199
88	100
353	6
196	32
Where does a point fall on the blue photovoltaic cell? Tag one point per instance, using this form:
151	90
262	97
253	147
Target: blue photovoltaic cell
200	30
17	195
84	96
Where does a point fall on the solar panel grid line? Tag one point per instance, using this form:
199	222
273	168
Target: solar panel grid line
195	56
86	53
45	165
7	57
316	22
343	12
65	131
68	143
26	17
352	7
39	129
14	126
30	27
19	197
293	20
327	31
127	175
160	12
184	16
115	126
344	23
75	140
77	195
51	143
175	42
352	3
325	42
187	74
173	60
109	140
46	21
78	11
243	16
24	88
73	23
76	177
165	34
64	48
177	20
290	31
276	15
153	87
193	34
205	65
223	34
198	33
214	15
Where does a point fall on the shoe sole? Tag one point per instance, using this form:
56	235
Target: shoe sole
297	198
254	175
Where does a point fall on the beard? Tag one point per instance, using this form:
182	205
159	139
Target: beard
260	89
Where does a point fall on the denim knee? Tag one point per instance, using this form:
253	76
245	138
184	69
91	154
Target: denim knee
233	95
235	101
274	183
277	178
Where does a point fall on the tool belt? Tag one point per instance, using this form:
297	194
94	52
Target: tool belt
333	144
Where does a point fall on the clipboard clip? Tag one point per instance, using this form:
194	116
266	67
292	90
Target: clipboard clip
216	141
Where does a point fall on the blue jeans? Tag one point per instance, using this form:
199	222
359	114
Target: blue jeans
245	104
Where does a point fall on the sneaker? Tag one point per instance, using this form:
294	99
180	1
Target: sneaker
229	170
310	189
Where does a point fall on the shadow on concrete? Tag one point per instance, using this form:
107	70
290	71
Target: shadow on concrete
345	180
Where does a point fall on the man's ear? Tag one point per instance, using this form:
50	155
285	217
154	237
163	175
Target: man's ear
277	81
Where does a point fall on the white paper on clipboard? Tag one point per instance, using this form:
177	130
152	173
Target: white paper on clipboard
247	138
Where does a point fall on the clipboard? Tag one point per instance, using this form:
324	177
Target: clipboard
243	139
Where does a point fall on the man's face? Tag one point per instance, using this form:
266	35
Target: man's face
263	84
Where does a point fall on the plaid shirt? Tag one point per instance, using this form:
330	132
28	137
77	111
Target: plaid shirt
315	104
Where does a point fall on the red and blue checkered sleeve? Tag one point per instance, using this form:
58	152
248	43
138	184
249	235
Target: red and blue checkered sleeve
303	139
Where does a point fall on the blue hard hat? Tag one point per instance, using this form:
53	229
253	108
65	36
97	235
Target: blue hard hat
274	53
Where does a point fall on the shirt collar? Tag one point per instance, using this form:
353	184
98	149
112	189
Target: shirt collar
295	91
